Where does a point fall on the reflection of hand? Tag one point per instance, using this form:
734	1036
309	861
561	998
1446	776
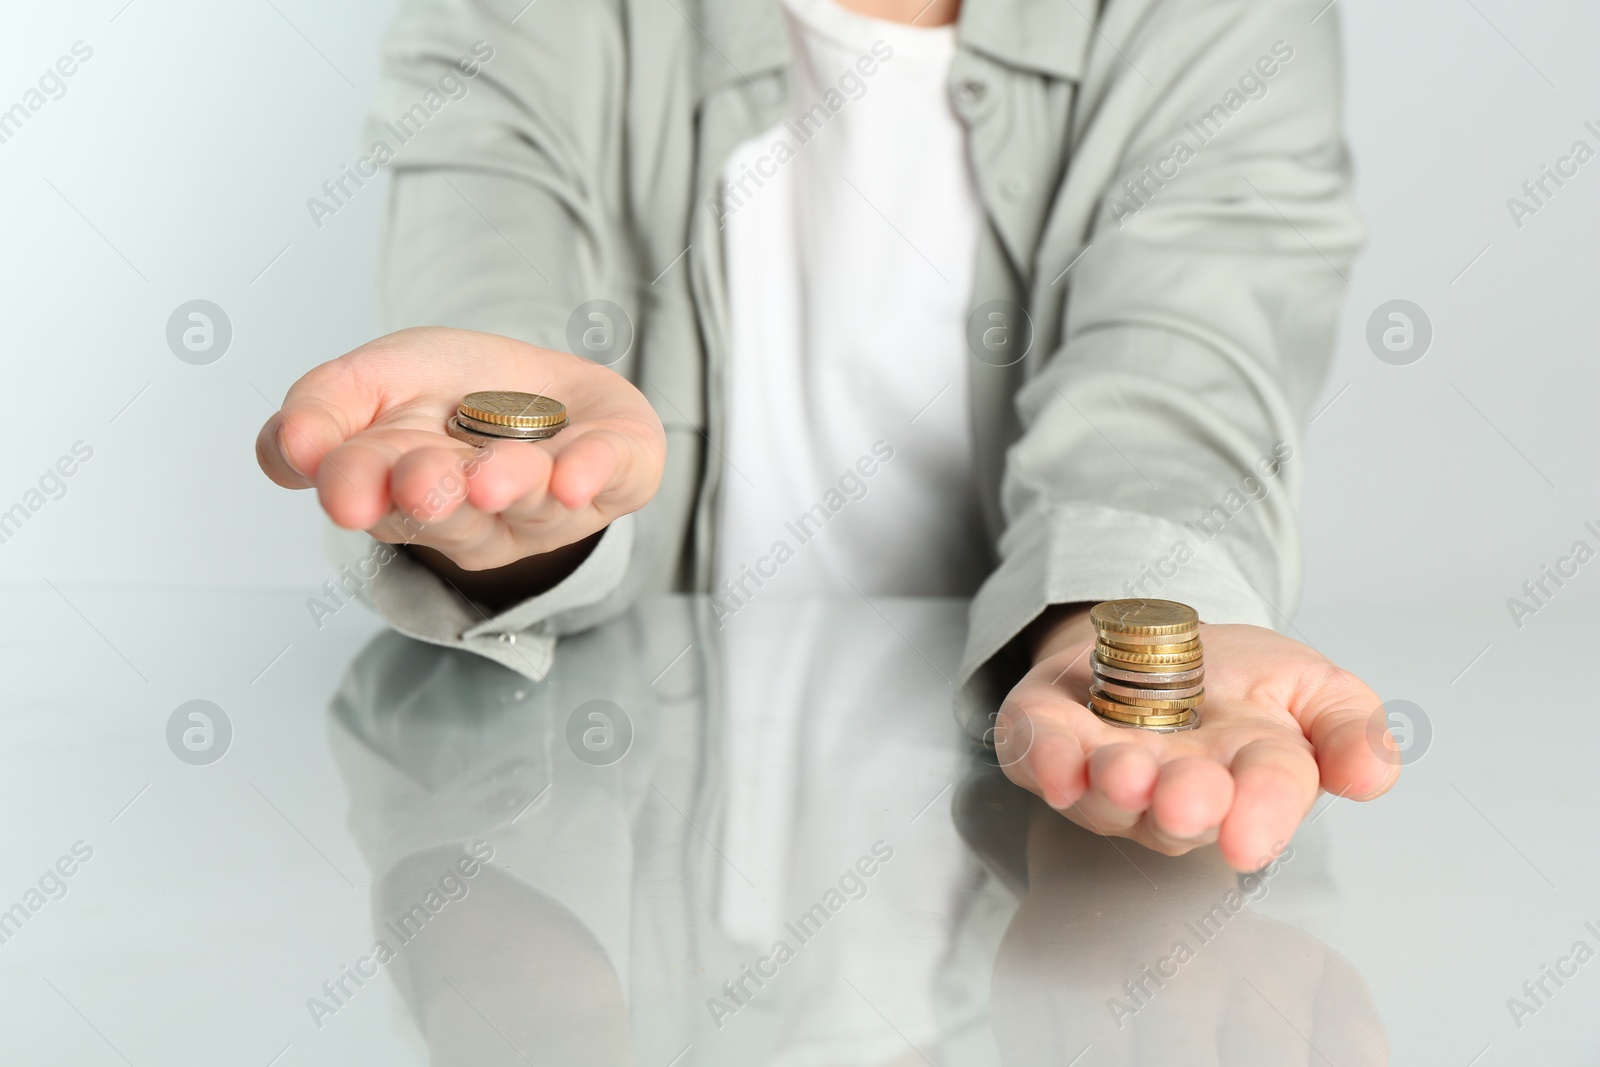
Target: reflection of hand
1278	721
368	430
1242	989
503	973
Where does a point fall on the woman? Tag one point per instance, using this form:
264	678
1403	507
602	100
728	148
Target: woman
1008	298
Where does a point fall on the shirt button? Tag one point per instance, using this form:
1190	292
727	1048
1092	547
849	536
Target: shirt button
509	638
1014	187
971	91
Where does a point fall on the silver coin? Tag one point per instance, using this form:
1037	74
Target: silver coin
1192	724
1188	677
455	429
1136	692
514	433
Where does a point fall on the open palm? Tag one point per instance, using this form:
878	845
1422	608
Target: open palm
368	431
1279	723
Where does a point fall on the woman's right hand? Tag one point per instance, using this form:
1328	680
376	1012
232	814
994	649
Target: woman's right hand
368	431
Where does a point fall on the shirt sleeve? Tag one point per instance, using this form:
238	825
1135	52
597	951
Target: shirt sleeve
498	136
1160	452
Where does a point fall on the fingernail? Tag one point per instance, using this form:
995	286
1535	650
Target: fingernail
287	458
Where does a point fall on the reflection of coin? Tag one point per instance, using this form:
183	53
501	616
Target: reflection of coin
1136	694
1141	616
1191	676
522	411
1147	661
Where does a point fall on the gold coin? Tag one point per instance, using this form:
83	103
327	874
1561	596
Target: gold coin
1188	720
1151	704
1142	642
1175	649
1190	723
523	411
1141	616
1147	661
1108	709
509	432
1117	706
1153	668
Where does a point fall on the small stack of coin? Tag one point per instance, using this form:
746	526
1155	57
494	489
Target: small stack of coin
1148	666
501	415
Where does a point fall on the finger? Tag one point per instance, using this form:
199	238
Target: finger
586	468
465	532
1344	721
273	460
291	448
353	482
325	408
1057	765
306	435
429	484
1039	753
513	478
1356	754
1274	785
1191	799
1122	778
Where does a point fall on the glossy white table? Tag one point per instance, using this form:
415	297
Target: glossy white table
548	889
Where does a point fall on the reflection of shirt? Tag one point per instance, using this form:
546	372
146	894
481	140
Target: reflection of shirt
829	726
765	753
849	234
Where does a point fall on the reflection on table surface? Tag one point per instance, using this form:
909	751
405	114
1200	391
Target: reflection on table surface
769	843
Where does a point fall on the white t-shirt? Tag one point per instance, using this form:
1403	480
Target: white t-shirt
849	233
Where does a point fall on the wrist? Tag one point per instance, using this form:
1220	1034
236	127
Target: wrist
499	588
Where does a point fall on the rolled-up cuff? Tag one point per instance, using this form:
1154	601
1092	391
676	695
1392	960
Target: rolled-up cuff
1077	553
420	604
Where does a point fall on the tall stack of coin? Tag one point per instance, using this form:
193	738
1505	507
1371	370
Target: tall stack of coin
1148	665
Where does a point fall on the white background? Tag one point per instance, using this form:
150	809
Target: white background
194	136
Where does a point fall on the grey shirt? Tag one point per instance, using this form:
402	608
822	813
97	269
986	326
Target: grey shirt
1168	226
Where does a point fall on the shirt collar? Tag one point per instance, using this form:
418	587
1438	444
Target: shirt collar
1045	36
746	39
